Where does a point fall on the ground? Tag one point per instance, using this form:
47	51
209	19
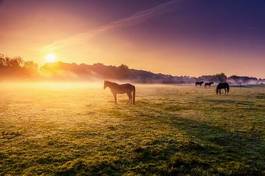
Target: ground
75	129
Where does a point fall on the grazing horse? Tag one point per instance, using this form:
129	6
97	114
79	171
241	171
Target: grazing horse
198	83
208	84
121	89
221	86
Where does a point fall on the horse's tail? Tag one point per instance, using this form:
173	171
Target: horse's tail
228	87
217	89
133	95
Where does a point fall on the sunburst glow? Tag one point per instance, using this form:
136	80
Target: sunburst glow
50	58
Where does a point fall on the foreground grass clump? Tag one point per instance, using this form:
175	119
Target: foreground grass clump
77	130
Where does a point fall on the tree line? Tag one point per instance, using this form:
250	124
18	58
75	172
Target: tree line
17	68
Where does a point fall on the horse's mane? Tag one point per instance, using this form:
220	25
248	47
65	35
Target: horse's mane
111	83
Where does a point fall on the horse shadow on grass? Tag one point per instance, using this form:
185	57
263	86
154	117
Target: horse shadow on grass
210	150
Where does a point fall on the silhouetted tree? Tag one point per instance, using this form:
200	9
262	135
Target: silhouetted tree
16	67
221	77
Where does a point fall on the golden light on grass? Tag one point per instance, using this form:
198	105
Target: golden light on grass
50	58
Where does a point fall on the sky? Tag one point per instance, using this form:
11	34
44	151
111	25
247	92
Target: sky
179	37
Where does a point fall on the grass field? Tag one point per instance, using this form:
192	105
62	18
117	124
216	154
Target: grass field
75	129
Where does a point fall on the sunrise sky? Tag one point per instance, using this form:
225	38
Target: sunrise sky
180	37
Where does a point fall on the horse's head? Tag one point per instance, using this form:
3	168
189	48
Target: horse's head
106	84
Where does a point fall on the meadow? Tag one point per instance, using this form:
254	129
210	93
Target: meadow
75	129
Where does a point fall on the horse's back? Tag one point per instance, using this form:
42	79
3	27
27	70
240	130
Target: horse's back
128	86
124	88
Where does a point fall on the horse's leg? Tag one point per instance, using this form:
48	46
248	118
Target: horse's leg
130	97
115	97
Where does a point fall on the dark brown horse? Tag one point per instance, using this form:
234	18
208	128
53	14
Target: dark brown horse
208	84
121	89
221	86
198	83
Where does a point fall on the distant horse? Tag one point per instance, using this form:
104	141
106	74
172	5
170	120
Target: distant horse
221	86
198	83
121	89
208	84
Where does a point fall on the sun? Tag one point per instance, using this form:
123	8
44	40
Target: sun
50	58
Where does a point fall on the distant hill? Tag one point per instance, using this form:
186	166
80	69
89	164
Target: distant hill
18	69
62	70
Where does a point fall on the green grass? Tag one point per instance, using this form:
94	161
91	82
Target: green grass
77	130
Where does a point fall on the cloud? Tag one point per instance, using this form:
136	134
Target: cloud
138	17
